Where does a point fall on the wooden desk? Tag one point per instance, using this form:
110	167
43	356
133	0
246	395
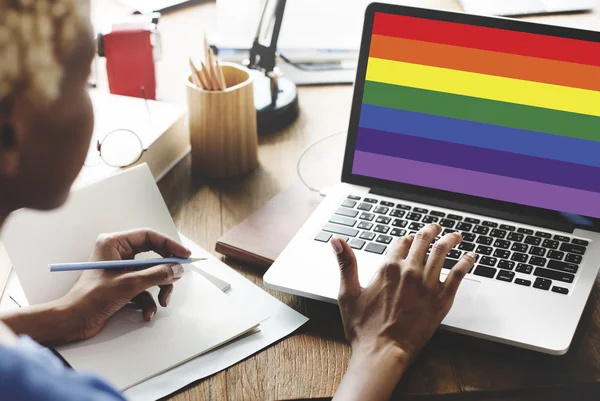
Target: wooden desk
310	364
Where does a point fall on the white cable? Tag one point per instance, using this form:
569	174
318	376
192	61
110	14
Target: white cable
305	151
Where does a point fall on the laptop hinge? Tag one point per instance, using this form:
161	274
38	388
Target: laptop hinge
539	221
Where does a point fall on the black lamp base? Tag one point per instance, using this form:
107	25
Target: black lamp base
275	116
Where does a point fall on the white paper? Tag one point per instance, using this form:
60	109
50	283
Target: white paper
129	350
282	322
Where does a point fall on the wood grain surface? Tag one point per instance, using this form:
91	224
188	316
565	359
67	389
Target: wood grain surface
310	364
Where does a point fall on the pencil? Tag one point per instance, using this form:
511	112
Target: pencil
195	75
207	77
121	264
220	74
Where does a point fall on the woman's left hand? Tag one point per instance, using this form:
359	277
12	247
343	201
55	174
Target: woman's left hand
98	294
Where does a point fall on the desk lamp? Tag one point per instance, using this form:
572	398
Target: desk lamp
275	97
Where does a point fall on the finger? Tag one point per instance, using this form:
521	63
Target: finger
145	239
456	275
438	255
349	283
164	296
399	248
421	243
145	302
153	276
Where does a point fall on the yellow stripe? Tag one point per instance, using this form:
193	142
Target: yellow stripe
491	87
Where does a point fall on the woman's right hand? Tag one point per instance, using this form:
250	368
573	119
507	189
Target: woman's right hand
388	322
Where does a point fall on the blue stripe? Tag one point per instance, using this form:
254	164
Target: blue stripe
529	143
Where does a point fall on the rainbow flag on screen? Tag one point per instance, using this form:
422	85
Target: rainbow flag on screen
488	112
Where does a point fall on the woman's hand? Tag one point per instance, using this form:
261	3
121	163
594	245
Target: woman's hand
99	294
390	321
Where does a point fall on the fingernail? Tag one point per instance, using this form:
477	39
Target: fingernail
337	246
168	299
472	255
152	315
177	271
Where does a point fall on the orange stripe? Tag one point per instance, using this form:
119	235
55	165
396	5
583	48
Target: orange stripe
486	62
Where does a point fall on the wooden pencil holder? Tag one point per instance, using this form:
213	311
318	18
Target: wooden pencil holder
223	131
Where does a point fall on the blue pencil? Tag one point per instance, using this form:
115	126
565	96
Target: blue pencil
120	264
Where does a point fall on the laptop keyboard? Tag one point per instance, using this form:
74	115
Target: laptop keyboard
509	253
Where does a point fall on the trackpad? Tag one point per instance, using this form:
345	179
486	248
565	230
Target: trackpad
462	311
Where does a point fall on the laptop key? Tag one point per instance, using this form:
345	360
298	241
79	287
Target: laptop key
500	243
323	237
337	229
472	220
537	251
345	221
365	206
485	240
383	220
367	216
537	261
454	254
563	267
542	284
580	242
519	257
448	231
573	258
489	224
363	225
454	217
502	254
525	231
398	232
498	233
371	200
469	237
521	281
524	268
570	248
430	219
484	250
397	213
481	230
349	203
506	264
466	246
384	239
542	234
403	207
515	237
533	240
556	255
375	248
400	223
414	216
554	275
354	197
416	226
437	214
464	226
562	238
342	211
507	227
420	210
519	248
381	210
488	261
560	290
385	203
548	243
356	243
369	236
505	275
447	223
342	237
485	271
381	229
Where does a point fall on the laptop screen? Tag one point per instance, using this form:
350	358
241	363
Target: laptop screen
493	113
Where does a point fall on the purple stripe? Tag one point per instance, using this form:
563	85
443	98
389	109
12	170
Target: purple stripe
477	184
497	162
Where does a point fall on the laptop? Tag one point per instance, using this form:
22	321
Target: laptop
525	7
487	126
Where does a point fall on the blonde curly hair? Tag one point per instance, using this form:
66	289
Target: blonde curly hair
36	36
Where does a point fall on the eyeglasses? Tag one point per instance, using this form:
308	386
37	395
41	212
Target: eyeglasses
119	148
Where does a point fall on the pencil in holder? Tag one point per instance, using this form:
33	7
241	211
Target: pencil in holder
223	131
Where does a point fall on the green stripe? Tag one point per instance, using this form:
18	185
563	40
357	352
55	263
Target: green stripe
484	111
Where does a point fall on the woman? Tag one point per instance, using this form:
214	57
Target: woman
46	123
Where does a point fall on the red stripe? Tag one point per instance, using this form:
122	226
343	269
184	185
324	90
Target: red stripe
494	39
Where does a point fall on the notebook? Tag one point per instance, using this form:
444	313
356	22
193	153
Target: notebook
128	351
